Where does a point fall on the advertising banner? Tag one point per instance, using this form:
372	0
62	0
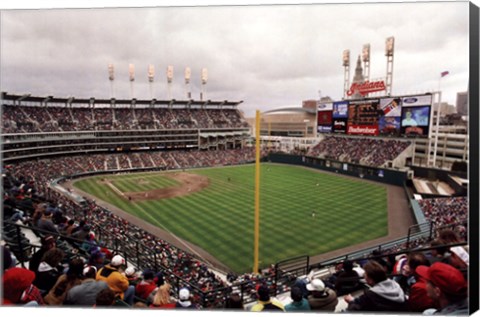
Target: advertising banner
415	101
324	118
389	125
364	113
363	117
322	106
339	125
340	109
416	115
415	120
356	129
391	107
324	128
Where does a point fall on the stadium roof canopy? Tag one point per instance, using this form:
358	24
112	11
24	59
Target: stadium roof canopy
72	101
291	109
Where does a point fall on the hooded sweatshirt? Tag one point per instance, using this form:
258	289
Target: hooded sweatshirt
384	296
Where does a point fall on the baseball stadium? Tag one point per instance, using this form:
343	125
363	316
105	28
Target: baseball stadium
176	203
177	196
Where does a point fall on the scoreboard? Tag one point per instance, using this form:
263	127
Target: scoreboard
387	116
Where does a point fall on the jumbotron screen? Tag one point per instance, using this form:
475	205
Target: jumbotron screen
389	116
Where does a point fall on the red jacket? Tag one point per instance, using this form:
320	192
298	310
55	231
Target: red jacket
145	288
418	300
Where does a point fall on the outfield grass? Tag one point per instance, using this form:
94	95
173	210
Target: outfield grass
220	218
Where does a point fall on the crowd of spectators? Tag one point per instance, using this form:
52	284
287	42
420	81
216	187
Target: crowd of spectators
53	168
28	179
365	151
21	119
445	211
57	279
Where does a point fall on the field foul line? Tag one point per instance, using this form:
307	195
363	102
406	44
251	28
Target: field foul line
115	189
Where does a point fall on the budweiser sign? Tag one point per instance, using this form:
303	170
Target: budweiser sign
362	129
366	87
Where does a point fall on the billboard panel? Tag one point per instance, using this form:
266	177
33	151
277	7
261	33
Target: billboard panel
416	115
415	120
340	109
324	118
389	125
324	128
325	106
339	125
424	100
391	107
360	129
363	117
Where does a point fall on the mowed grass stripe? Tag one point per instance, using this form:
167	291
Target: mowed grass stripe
142	184
220	217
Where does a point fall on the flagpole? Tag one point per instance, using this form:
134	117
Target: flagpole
437	123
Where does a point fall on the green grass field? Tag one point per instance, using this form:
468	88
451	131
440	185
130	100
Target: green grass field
220	218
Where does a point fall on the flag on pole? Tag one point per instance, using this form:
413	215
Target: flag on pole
444	73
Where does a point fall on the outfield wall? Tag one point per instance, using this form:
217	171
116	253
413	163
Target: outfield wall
382	175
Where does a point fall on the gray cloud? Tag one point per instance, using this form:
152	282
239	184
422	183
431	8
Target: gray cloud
268	56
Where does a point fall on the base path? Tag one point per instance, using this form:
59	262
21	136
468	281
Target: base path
189	184
399	216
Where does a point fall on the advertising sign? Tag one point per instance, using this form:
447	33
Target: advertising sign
324	128
339	125
416	115
340	109
415	120
366	87
363	117
356	129
324	118
389	125
391	107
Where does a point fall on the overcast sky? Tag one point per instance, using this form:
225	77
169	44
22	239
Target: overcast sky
268	56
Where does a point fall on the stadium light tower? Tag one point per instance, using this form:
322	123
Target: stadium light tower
131	73
151	76
389	48
204	82
111	78
188	74
346	73
366	61
169	81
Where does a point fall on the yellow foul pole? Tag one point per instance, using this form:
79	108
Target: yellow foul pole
257	192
